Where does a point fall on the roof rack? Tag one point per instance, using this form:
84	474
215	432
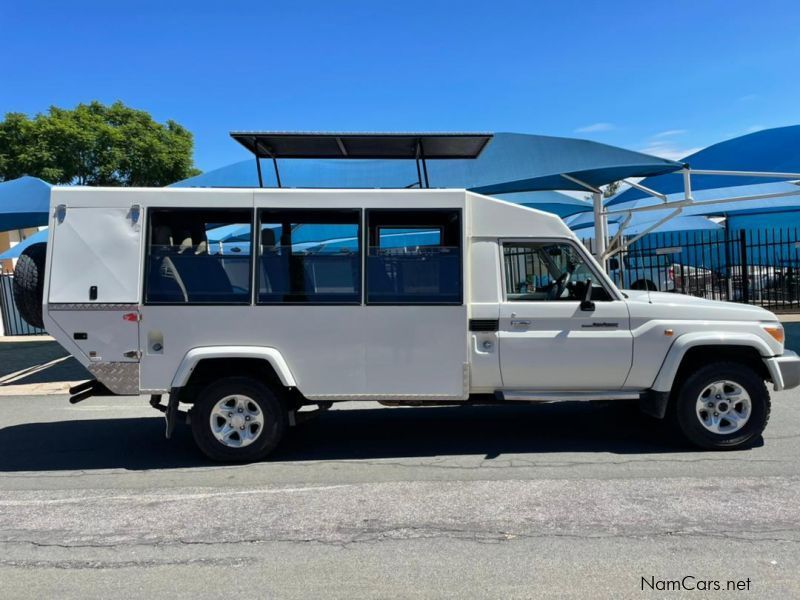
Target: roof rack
380	146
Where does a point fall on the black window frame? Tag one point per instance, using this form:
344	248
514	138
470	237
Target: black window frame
599	280
371	228
358	212
148	216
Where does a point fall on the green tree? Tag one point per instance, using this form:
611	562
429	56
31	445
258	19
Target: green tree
95	144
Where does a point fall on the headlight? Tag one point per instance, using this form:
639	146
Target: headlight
776	331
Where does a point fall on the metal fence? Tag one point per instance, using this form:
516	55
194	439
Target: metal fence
751	266
13	323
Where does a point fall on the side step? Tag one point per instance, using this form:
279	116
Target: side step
544	396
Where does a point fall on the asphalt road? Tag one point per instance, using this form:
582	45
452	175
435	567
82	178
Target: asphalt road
575	500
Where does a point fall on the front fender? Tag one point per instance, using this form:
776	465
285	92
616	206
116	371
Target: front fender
195	355
679	348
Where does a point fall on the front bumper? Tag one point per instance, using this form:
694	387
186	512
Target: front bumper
785	370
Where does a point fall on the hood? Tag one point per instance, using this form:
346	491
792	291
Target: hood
690	307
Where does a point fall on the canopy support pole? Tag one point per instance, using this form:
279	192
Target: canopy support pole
258	168
277	172
615	244
646	190
421	154
652	227
599	228
416	160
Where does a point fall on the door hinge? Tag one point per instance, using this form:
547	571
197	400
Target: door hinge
137	354
135	213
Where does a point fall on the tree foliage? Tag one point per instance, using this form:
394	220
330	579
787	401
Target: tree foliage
94	144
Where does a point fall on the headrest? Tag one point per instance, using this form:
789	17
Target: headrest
185	241
267	237
162	235
186	244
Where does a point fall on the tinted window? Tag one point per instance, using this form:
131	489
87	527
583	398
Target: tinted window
414	257
198	256
547	271
309	256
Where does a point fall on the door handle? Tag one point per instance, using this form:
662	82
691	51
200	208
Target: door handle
519	322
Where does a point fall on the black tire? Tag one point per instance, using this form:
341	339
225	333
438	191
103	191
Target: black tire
29	283
644	284
684	410
274	415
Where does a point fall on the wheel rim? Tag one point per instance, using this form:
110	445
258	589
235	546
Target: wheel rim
724	407
236	421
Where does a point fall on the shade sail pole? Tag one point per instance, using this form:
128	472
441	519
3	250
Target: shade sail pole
258	168
600	239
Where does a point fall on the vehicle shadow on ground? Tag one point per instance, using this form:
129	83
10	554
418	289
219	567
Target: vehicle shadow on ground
138	443
37	361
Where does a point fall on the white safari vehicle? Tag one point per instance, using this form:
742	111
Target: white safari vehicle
247	304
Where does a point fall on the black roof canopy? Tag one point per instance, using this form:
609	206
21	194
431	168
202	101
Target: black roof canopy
272	144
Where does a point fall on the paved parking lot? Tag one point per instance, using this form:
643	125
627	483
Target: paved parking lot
577	500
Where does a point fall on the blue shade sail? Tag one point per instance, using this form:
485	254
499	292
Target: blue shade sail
776	150
15	251
24	202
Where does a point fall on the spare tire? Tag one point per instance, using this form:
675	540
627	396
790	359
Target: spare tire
29	283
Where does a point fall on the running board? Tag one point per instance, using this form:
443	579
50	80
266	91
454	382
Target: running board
525	396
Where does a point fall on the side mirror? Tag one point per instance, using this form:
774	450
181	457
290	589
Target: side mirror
587	303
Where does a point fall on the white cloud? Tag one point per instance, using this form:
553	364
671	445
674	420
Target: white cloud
754	128
748	97
595	128
665	145
668	150
669	133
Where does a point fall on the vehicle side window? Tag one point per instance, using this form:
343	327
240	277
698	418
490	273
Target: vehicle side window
547	271
414	257
198	256
309	256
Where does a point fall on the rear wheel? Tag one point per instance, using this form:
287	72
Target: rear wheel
29	283
722	406
238	419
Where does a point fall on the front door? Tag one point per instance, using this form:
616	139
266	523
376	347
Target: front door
547	339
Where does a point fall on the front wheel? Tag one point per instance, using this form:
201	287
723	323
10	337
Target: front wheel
238	419
722	406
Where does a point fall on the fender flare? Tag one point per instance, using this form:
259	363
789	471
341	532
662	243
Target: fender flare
672	362
270	355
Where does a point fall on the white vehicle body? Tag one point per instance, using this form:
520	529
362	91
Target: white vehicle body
494	340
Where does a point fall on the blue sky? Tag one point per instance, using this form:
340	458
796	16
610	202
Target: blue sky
666	77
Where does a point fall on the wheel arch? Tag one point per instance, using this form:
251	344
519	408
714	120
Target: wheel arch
693	350
228	360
